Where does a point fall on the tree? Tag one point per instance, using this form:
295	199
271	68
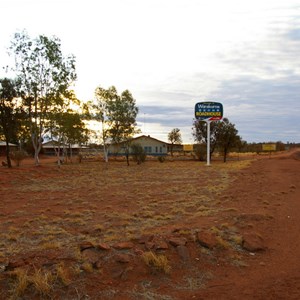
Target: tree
67	128
117	114
10	114
228	137
103	97
45	76
222	134
200	133
174	137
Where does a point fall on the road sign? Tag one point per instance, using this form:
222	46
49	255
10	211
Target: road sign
269	147
209	111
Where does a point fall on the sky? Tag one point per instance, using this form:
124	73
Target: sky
172	54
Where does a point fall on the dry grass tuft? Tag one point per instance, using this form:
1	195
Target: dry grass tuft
158	261
20	284
63	274
42	281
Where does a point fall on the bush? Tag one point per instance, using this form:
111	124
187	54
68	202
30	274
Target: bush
138	153
201	151
161	159
17	156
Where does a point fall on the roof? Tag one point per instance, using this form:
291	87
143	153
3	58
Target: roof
52	144
148	137
3	144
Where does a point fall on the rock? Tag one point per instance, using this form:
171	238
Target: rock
253	242
86	245
177	241
183	253
206	239
123	245
145	239
178	229
122	258
150	245
103	246
90	255
161	245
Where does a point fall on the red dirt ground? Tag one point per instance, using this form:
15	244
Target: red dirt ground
246	246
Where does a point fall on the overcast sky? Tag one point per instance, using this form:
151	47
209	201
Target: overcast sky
172	54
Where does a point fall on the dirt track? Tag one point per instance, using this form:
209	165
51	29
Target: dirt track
269	196
261	202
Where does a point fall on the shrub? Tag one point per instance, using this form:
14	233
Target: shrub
200	151
17	156
161	159
138	153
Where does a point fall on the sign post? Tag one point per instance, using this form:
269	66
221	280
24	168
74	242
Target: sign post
208	111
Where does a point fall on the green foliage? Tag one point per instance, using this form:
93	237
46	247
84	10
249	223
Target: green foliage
174	137
138	153
11	113
228	137
45	76
117	113
200	133
223	135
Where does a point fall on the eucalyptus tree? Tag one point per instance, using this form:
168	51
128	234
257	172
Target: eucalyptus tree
67	129
10	114
66	124
45	76
100	107
117	113
122	113
174	137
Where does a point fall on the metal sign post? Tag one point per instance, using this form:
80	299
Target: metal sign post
208	111
208	144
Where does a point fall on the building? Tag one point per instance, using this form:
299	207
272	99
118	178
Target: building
51	148
3	148
150	145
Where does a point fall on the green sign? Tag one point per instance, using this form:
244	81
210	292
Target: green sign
209	111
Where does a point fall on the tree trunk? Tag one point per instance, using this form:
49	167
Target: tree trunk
225	155
37	145
7	155
127	158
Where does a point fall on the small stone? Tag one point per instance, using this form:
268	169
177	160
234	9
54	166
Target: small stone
90	255
86	245
161	245
123	245
103	246
145	239
149	245
183	253
122	258
177	241
253	242
207	239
